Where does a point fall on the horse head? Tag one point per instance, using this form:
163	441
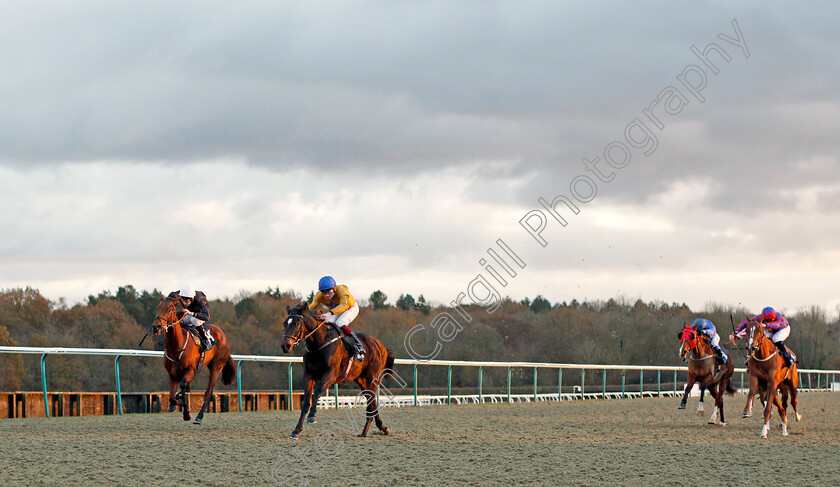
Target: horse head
756	336
688	341
165	316
298	323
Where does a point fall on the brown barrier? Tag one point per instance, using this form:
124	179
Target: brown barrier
26	404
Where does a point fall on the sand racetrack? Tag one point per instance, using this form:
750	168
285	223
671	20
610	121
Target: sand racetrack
617	442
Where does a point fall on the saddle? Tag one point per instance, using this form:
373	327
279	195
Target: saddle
197	331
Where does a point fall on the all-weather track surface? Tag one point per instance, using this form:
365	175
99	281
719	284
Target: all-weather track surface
637	442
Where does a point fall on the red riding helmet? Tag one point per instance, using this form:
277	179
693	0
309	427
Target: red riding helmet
768	314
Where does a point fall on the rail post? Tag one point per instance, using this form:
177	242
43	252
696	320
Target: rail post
239	384
604	385
119	391
560	385
675	383
659	383
535	384
480	374
623	379
335	390
415	384
291	391
641	382
44	383
449	385
582	376
508	389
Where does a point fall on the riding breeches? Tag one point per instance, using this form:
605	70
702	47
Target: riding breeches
344	318
779	336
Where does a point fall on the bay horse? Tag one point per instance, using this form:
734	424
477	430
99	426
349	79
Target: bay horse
327	362
771	374
697	351
182	355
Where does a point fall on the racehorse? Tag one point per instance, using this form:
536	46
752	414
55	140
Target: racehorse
697	351
183	360
327	362
771	373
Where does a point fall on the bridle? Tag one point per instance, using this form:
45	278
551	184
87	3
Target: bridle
692	347
299	334
756	342
165	325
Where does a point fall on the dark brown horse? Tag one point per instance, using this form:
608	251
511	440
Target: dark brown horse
771	373
181	358
327	362
697	351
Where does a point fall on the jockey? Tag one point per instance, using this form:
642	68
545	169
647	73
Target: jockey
342	309
196	313
706	327
777	330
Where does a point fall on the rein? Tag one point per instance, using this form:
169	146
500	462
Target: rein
755	348
298	340
166	326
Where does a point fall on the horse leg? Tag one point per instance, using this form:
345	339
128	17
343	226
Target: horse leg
376	417
700	408
769	397
713	391
183	395
308	386
214	376
173	386
793	402
750	397
782	413
688	387
313	408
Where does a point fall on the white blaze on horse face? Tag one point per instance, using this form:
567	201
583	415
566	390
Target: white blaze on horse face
288	322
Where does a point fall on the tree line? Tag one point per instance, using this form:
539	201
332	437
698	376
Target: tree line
615	331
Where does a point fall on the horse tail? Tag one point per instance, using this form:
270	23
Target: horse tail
228	372
730	389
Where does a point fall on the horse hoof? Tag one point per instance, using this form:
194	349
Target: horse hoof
362	436
187	416
197	421
385	431
745	416
172	409
311	420
711	422
723	424
294	436
681	406
798	417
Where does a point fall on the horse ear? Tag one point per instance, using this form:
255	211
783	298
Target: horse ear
288	309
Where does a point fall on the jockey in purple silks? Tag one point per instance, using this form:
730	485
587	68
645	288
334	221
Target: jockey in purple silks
777	329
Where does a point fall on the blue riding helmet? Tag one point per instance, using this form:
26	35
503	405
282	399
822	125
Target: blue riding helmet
768	314
326	282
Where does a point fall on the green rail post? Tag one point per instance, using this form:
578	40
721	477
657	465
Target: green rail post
291	391
641	383
675	383
239	383
604	385
480	374
582	376
44	384
623	379
415	384
659	383
119	391
535	384
508	399
742	380
335	390
809	382
449	386
560	385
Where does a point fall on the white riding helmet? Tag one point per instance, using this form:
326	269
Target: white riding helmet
187	292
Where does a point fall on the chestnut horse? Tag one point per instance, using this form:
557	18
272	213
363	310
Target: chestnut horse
771	373
696	350
181	358
327	362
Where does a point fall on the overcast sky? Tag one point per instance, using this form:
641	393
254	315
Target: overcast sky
238	146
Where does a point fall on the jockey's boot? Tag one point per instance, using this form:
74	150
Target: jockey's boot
785	353
360	349
721	356
207	340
